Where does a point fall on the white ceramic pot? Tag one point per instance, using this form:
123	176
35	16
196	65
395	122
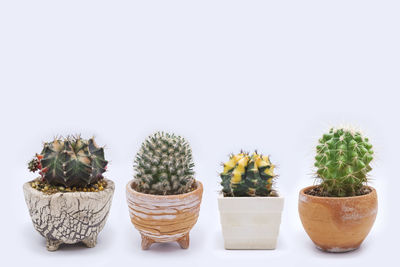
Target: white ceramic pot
250	222
70	217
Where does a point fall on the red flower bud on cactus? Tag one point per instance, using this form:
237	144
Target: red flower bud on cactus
34	165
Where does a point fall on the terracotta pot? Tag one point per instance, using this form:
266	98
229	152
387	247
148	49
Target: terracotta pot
337	224
164	218
250	222
70	217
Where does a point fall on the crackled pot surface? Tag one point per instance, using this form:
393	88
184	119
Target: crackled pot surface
70	217
164	218
337	224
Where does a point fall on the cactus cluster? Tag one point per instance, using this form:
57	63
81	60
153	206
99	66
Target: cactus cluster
246	175
164	165
343	161
70	162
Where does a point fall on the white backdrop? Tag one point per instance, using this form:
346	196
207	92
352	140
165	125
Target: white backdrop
227	75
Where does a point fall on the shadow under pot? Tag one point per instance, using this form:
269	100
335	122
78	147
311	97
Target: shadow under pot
250	222
69	217
337	224
164	218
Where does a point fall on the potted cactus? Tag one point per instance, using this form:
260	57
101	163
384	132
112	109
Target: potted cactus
339	212
164	197
70	201
250	209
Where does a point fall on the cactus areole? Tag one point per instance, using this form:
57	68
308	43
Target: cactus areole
164	165
247	175
343	161
70	162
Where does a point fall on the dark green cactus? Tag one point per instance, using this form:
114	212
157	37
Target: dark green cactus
246	175
164	165
343	161
71	162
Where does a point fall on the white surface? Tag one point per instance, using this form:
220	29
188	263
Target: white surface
271	75
250	222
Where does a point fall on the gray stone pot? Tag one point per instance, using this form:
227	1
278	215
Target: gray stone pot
69	217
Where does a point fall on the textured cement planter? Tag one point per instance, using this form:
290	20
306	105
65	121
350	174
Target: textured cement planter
69	217
250	222
164	218
337	224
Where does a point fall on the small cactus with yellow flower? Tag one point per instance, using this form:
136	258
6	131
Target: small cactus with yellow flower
246	175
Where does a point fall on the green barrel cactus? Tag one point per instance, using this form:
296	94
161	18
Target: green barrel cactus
247	176
343	162
164	165
70	162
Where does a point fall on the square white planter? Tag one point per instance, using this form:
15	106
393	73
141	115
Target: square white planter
250	222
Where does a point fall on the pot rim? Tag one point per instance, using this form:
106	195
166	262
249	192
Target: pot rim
302	193
130	189
221	195
110	186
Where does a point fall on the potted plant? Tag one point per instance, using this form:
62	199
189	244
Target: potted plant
164	198
339	212
70	201
250	210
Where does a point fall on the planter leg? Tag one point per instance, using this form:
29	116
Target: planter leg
90	242
52	245
146	242
184	241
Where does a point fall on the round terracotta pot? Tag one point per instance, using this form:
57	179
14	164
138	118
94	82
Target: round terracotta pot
337	224
162	218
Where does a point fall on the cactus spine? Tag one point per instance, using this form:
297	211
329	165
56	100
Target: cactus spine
343	161
70	162
246	175
164	165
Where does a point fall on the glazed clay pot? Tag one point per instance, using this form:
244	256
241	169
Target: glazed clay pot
162	218
70	217
337	224
250	222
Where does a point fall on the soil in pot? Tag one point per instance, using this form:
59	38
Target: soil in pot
43	186
319	192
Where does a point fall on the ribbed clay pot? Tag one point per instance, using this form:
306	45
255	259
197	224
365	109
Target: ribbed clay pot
337	224
162	218
69	217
